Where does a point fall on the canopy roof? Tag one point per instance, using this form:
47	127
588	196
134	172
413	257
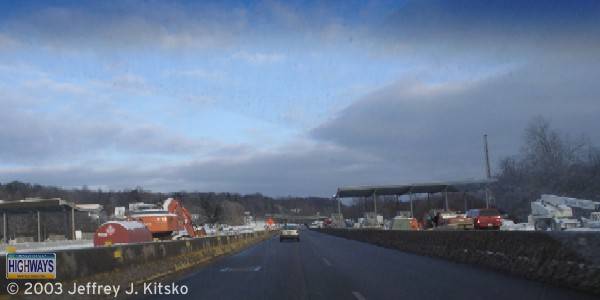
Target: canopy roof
35	204
430	187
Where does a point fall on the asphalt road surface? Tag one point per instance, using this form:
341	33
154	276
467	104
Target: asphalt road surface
321	266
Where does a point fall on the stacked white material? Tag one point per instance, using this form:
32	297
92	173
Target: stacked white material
509	225
552	207
570	202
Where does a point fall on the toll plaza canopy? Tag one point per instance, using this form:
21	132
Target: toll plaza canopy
36	204
431	187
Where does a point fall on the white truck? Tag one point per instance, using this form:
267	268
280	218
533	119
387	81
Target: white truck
555	213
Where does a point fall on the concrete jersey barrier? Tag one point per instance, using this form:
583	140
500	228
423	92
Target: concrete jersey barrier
143	261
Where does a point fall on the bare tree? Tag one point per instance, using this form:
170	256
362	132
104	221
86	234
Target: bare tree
549	162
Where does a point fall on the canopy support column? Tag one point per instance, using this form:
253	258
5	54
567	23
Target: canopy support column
39	232
73	223
412	215
4	230
375	202
339	204
446	197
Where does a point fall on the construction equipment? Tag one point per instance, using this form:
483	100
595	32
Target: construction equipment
447	220
557	213
404	223
185	227
270	224
460	222
121	232
147	222
167	221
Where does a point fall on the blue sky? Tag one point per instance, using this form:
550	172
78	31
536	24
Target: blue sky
283	97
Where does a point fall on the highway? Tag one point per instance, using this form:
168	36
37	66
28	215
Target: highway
321	266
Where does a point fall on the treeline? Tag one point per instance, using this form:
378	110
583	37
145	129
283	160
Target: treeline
210	207
225	208
549	163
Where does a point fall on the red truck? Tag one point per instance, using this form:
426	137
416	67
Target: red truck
485	218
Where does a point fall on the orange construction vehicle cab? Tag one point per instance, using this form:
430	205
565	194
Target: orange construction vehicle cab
168	221
161	223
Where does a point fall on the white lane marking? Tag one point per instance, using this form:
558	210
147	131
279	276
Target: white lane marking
358	296
245	269
326	261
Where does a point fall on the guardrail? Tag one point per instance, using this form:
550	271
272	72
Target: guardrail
566	259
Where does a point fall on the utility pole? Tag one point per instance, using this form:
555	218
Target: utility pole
488	171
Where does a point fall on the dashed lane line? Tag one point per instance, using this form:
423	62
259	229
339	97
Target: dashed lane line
358	296
244	269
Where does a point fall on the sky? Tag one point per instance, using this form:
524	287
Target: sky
286	98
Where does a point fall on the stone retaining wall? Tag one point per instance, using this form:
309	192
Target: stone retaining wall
561	258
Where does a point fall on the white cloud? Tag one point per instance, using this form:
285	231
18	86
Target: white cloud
48	84
301	170
129	82
7	42
24	69
29	136
259	58
211	75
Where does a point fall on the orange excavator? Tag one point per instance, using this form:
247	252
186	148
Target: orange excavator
183	216
169	221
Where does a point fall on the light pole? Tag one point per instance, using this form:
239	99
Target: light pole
488	171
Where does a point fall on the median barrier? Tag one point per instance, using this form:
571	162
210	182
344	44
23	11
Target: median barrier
568	259
127	263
